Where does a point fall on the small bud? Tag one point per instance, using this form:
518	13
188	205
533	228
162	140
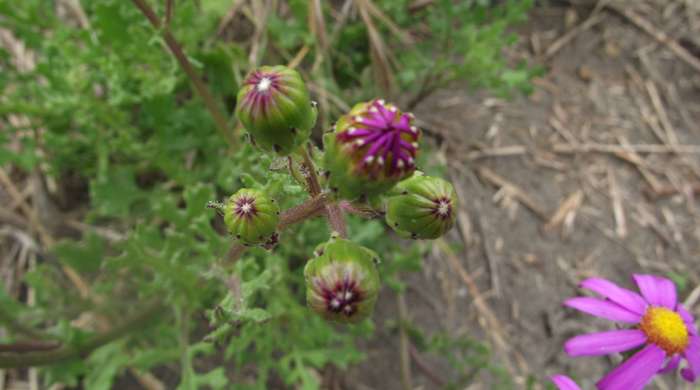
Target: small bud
251	217
373	147
422	207
342	281
274	107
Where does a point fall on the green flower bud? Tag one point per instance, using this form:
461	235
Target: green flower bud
275	108
342	282
251	216
422	207
372	148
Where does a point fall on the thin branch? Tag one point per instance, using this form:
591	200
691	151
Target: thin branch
168	12
29	346
67	352
199	85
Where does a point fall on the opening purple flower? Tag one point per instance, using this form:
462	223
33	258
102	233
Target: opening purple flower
658	323
372	147
384	139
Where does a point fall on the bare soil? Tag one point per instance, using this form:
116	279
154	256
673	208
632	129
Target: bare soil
556	187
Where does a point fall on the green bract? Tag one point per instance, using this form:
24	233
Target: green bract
373	147
342	281
422	207
275	108
251	216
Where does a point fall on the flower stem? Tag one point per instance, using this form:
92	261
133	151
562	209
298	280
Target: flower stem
333	212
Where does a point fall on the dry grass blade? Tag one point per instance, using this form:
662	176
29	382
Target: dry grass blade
379	52
595	18
402	35
299	57
618	210
404	344
514	191
493	327
230	15
317	25
568	206
657	34
640	148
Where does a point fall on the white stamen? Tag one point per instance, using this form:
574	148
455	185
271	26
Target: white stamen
351	130
400	164
360	142
410	115
264	84
443	208
381	101
246	208
380	160
410	161
369	159
414	129
347	309
348	295
373	109
358	119
414	144
335	303
392	108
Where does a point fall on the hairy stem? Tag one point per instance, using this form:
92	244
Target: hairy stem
309	209
201	88
27	359
333	211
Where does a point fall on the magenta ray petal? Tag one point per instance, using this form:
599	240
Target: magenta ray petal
603	343
563	382
603	309
622	296
692	355
657	291
635	372
671	365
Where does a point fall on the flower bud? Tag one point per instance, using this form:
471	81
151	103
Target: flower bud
372	148
251	217
275	108
342	281
422	207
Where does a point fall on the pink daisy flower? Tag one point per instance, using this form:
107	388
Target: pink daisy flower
658	324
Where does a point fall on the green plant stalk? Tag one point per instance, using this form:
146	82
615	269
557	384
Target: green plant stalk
137	322
197	82
333	211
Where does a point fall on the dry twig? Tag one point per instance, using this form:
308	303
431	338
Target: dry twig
657	34
514	191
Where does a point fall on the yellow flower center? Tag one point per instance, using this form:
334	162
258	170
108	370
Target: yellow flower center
666	329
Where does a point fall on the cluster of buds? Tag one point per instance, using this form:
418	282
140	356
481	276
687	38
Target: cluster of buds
369	156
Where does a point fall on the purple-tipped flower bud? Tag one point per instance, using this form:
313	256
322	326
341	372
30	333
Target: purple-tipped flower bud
342	282
251	217
423	207
372	148
275	108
